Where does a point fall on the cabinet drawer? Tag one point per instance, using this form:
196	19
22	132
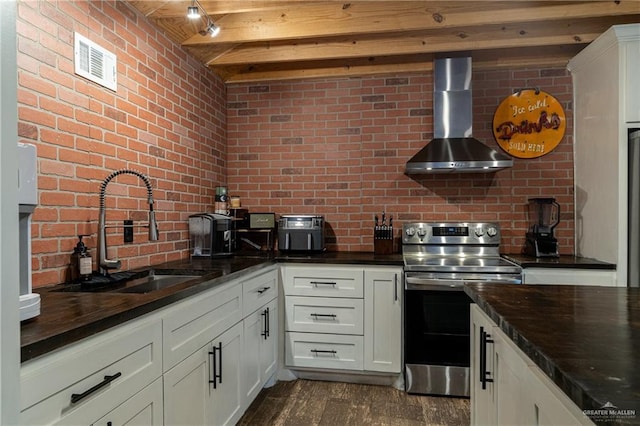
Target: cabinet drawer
196	322
324	315
323	281
324	351
258	290
108	369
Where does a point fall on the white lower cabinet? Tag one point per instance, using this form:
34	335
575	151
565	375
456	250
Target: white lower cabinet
343	317
507	387
144	408
205	388
260	352
569	276
85	381
383	289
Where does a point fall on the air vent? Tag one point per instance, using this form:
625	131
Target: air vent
95	63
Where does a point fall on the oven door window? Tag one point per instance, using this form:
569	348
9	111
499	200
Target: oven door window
437	327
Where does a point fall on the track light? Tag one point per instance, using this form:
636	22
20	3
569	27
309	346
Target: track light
193	12
213	29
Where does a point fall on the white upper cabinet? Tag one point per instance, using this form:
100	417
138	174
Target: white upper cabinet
606	104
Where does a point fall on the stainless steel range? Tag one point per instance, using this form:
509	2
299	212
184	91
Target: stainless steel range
438	259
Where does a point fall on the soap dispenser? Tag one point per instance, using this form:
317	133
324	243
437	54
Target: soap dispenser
81	265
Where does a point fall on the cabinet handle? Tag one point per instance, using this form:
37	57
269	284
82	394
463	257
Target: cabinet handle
485	338
76	397
216	363
263	289
395	287
317	283
332	316
320	351
265	323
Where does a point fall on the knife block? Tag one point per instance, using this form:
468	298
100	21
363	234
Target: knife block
383	246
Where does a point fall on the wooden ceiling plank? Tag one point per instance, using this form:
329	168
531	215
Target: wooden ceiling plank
325	21
390	46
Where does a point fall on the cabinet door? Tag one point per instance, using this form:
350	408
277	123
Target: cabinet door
269	343
204	389
186	390
383	319
483	396
226	394
251	378
260	351
144	408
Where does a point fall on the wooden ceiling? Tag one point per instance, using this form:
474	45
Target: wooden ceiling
291	39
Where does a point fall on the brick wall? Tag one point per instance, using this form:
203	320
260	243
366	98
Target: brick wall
338	147
166	120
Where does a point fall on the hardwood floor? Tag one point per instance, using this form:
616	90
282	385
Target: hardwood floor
307	402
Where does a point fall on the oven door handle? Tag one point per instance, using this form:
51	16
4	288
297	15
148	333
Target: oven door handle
415	283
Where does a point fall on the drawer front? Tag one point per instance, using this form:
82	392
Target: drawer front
324	315
198	321
323	281
324	351
259	290
84	381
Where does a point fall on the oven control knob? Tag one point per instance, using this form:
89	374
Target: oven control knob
411	231
492	232
422	232
479	232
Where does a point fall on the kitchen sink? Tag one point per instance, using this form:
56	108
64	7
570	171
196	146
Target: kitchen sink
144	281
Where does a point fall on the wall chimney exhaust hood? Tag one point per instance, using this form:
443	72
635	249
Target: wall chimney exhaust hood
453	149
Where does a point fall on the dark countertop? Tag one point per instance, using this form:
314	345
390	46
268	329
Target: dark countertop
586	339
66	317
564	261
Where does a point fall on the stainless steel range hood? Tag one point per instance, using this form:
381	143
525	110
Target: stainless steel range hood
453	149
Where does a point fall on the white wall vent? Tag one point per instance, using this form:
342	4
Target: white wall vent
95	62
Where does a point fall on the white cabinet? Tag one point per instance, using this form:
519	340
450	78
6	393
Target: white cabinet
260	350
606	104
383	290
571	276
82	382
343	317
205	388
324	316
217	356
144	408
507	387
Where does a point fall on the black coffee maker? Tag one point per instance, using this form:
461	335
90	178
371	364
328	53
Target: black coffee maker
543	215
210	235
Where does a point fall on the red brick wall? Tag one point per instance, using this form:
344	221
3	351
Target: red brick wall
338	147
166	120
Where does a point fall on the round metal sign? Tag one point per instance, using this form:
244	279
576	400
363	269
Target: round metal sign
529	124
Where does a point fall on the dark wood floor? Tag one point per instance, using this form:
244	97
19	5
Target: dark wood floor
306	403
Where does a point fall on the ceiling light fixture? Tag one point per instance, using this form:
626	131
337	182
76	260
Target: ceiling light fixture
213	29
193	12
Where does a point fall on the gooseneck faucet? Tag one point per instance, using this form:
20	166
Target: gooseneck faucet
105	264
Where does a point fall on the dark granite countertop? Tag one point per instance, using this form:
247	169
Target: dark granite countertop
564	261
586	339
67	317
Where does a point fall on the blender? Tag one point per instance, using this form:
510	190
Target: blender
543	215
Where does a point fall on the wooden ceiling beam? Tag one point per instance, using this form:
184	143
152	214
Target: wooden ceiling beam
401	45
320	20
